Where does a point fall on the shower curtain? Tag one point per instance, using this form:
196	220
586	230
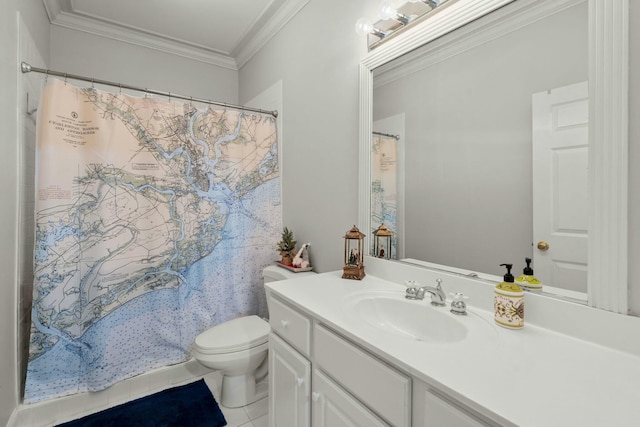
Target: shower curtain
384	187
154	219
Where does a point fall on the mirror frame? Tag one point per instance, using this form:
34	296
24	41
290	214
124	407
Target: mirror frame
607	283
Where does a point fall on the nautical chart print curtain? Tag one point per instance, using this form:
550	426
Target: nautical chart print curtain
154	219
384	187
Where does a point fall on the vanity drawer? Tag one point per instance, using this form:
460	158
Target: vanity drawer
380	387
293	327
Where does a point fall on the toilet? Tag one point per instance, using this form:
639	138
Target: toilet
238	349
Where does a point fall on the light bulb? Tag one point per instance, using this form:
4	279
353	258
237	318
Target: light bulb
387	10
364	26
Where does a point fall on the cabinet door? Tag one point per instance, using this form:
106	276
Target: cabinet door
334	407
289	386
380	387
433	409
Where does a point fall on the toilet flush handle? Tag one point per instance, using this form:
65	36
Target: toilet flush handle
284	323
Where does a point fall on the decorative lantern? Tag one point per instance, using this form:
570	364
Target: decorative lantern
382	242
353	265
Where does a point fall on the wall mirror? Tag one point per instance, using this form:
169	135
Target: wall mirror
474	100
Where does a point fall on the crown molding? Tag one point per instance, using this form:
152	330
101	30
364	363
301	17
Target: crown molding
252	45
139	38
58	15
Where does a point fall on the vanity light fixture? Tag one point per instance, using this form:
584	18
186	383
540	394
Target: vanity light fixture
431	3
388	11
364	26
394	19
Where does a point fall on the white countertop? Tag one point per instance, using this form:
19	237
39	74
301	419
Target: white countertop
529	377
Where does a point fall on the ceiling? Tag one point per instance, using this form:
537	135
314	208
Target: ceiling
220	32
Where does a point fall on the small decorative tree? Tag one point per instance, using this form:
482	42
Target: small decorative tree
287	246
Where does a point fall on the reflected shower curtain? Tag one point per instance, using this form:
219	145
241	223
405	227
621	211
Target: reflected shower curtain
384	187
154	220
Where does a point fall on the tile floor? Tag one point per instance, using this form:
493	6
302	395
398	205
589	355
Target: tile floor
253	415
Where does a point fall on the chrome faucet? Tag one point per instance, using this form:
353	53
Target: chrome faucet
438	296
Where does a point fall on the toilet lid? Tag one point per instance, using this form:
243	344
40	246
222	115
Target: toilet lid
235	335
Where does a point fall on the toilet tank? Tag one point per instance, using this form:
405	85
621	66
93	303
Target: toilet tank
273	273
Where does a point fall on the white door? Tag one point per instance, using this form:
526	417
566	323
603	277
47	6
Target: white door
560	186
289	386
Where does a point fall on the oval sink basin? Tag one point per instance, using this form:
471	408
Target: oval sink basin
417	320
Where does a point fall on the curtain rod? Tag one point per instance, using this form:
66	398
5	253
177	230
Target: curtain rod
396	137
26	68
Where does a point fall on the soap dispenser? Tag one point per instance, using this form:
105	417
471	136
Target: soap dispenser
509	302
527	280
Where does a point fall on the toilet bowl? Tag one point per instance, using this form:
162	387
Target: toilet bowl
238	349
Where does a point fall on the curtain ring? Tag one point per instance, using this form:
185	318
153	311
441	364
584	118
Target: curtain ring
65	79
92	85
146	92
169	96
120	85
46	76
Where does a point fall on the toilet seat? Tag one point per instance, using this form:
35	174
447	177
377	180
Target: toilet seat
235	335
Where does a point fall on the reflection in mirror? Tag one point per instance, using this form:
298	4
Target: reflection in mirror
384	190
492	146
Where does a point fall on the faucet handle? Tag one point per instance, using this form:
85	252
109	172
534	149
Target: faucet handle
458	306
439	284
411	293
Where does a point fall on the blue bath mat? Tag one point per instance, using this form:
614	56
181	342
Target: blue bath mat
190	405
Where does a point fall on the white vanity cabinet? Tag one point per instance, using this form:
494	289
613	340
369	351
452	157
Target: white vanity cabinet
289	366
289	385
320	378
356	371
345	378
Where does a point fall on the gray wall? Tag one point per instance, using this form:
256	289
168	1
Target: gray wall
317	57
93	56
468	174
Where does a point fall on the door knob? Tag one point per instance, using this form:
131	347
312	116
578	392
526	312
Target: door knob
543	246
